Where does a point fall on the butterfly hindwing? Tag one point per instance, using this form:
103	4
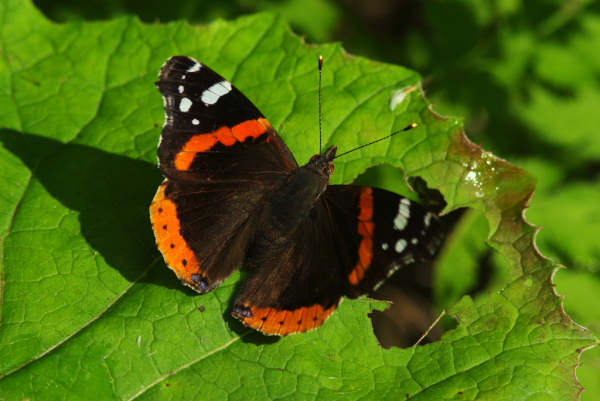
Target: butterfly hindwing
220	157
298	284
357	237
383	232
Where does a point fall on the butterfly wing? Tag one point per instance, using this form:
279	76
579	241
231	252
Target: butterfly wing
220	157
212	131
383	231
305	285
357	238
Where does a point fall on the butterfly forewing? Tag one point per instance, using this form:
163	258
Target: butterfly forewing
221	157
207	118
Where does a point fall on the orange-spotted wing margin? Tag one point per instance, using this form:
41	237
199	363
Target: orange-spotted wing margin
271	321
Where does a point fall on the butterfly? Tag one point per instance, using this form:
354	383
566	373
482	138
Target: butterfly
234	194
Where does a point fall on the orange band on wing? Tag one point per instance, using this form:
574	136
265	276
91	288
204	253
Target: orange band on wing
178	255
365	229
224	135
283	322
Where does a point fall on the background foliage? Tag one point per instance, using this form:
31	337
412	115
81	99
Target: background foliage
525	75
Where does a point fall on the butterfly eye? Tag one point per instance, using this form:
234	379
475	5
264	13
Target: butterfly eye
315	157
329	169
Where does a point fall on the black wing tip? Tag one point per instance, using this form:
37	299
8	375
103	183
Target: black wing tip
181	64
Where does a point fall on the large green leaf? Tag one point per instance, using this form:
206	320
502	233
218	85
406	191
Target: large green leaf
581	302
90	310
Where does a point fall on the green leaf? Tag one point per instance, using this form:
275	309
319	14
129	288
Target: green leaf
88	306
315	18
458	267
582	295
572	238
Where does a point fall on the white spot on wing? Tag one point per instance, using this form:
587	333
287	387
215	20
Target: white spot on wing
185	104
378	285
408	258
384	246
400	222
401	219
415	241
195	121
195	67
212	94
180	88
400	245
165	103
183	76
427	219
404	210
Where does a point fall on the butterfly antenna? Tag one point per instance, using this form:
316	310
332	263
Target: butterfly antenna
413	125
320	67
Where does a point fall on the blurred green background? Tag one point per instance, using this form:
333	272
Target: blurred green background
526	76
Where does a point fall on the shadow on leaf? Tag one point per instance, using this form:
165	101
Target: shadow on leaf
110	192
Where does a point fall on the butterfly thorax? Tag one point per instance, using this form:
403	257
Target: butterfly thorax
295	200
289	206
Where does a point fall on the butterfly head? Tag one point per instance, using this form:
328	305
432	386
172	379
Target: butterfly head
325	161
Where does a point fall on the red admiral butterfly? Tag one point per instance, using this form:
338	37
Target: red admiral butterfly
234	193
